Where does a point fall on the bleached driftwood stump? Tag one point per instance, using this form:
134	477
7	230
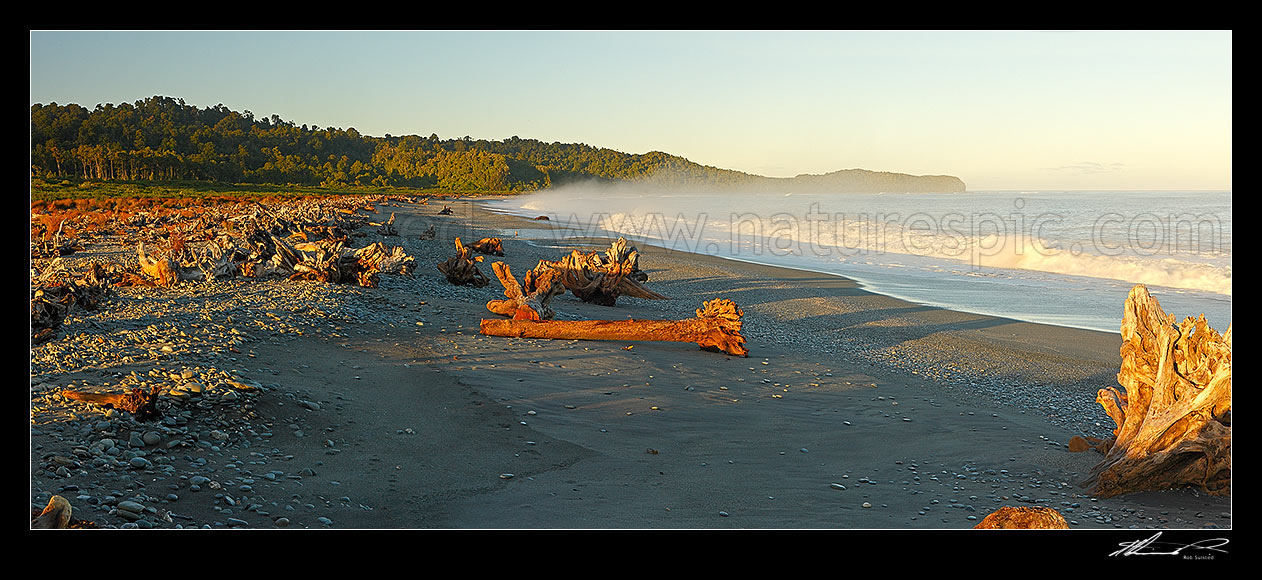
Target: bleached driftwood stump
1174	417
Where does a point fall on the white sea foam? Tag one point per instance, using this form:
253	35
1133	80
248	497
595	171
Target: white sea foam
1056	241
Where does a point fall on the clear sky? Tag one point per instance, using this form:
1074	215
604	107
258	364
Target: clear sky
999	109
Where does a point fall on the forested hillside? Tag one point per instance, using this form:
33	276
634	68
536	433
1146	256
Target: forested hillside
164	139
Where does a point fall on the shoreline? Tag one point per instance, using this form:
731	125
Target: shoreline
1098	349
973	294
385	408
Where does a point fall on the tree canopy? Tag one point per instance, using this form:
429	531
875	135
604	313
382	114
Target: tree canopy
163	138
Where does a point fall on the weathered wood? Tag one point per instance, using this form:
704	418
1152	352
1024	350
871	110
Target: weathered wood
462	268
429	233
602	278
1174	416
56	516
141	404
1023	518
489	246
1078	443
162	270
716	328
55	246
388	229
533	303
55	291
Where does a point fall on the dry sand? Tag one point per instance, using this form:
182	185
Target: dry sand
853	410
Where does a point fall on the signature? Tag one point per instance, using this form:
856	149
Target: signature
1150	547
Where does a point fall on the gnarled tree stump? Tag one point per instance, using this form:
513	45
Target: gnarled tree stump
531	303
463	268
600	279
1174	417
716	328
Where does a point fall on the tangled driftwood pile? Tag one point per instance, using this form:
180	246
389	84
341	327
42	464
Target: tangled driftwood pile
1174	416
55	245
601	278
309	247
55	291
301	240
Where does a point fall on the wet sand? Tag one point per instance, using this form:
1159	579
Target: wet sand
852	411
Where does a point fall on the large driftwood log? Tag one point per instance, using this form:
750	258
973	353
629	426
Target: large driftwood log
463	268
1174	417
716	328
531	303
600	279
140	404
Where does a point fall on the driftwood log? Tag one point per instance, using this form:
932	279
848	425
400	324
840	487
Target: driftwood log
462	268
716	328
142	405
56	516
489	246
1023	518
533	302
601	278
1174	416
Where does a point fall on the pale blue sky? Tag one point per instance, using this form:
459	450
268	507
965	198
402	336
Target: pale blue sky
999	109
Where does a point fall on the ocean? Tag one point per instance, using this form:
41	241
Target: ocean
1067	258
